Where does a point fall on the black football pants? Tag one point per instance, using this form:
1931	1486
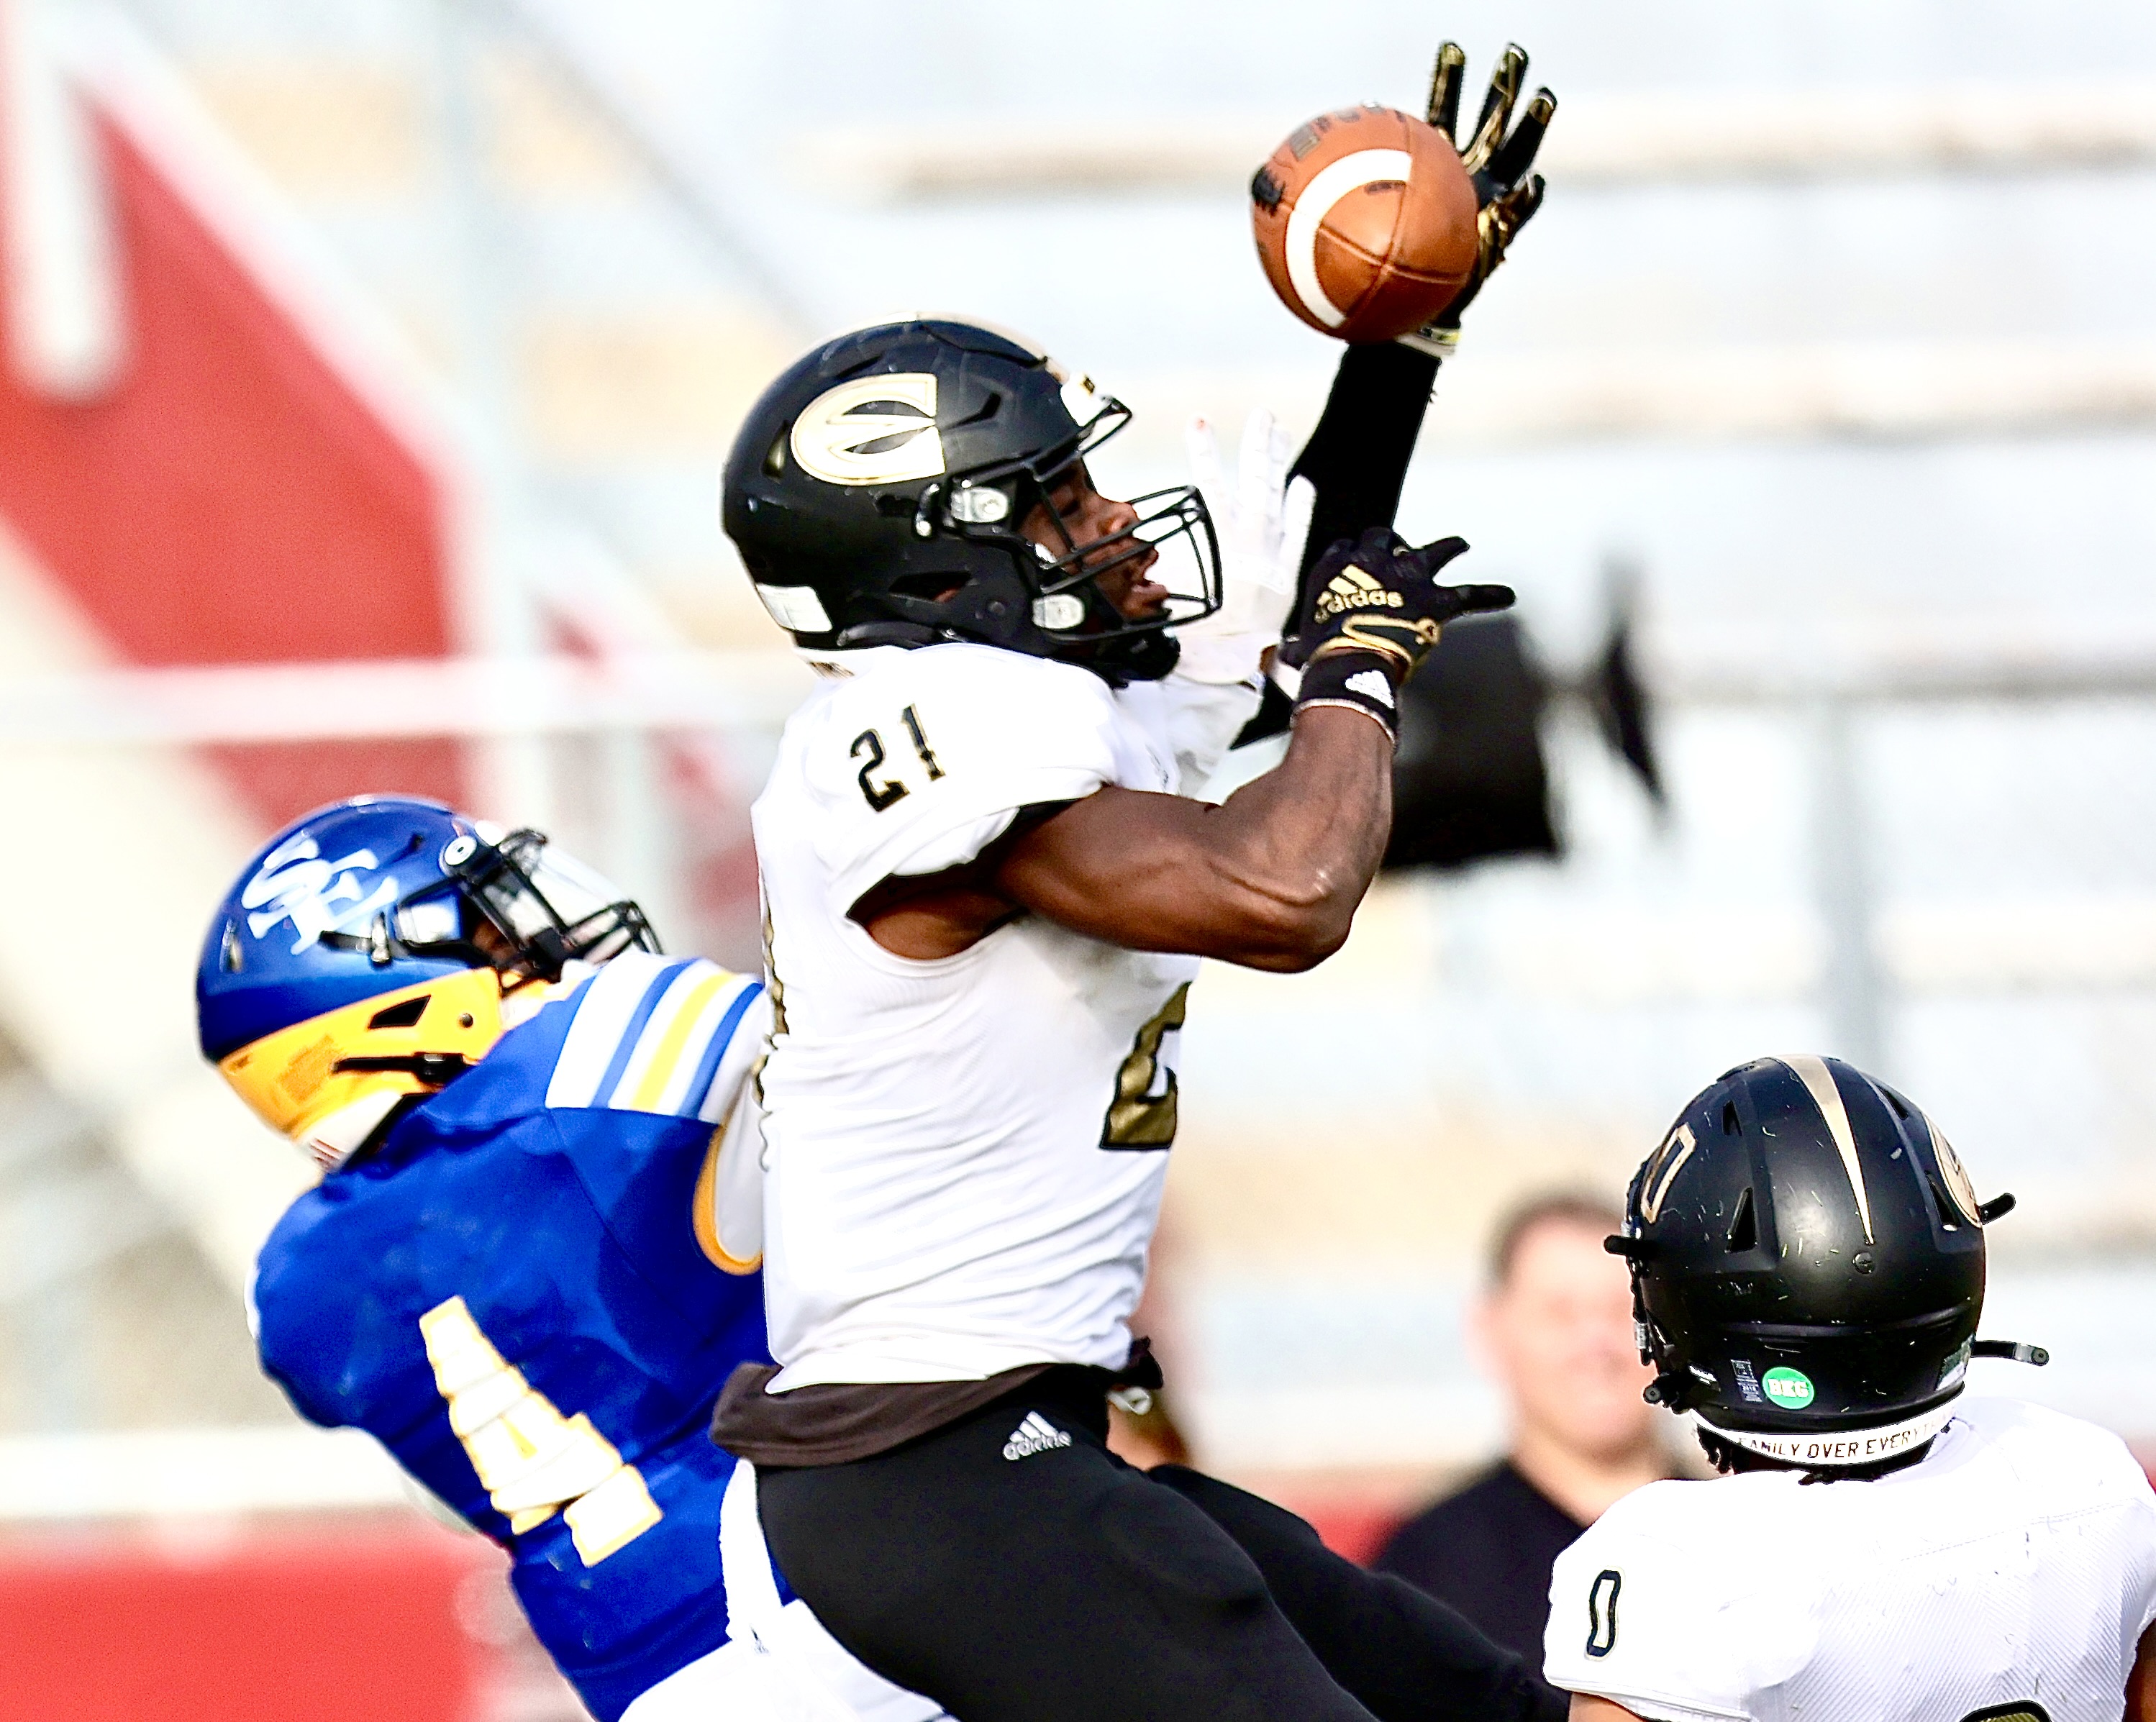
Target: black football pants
1063	1586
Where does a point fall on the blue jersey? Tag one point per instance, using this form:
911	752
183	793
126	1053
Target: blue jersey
524	1293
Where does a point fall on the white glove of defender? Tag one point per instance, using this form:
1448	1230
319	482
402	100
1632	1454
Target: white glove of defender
1261	525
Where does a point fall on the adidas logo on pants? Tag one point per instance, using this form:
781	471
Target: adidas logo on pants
1036	1434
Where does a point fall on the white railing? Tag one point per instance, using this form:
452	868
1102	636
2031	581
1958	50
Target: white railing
477	697
1669	135
160	1474
658	689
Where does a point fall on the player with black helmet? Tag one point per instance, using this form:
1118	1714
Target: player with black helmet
986	888
1807	1272
879	490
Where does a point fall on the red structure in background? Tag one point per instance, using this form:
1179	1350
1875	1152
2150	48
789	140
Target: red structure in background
361	1626
1355	1525
231	497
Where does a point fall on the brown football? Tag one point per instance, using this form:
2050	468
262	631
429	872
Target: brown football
1365	222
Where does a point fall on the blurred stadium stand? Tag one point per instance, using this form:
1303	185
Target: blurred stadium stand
365	357
218	452
1665	134
392	1618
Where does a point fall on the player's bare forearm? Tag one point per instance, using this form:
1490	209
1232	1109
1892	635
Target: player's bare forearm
1586	1707
1270	879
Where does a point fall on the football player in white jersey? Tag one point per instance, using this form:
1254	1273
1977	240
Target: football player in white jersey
987	890
1808	1266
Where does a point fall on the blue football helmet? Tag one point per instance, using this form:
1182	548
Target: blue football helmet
368	952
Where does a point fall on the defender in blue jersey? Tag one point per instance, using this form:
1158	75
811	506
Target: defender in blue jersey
533	1259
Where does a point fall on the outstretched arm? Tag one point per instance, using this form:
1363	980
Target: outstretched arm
1271	877
1356	458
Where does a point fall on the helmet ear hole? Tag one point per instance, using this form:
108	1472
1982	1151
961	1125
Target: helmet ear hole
931	588
404	1015
1744	1228
1730	1125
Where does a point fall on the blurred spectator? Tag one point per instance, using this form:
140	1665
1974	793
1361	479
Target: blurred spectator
1555	1329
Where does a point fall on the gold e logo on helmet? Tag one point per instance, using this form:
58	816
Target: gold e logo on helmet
874	430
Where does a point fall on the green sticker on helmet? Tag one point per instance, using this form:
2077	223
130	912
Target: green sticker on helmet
1790	1388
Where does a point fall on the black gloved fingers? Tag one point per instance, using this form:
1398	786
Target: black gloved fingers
1517	154
1481	600
1429	558
1497	107
1445	81
1520	208
1500	224
1497	100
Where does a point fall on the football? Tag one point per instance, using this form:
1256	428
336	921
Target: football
1365	222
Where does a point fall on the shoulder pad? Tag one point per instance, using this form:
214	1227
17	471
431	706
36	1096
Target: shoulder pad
655	1034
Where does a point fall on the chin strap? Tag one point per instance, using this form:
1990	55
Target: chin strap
2013	1351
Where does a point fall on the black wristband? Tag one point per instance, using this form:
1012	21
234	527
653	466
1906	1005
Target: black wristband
1361	679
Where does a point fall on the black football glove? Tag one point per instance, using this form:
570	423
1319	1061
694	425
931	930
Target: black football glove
1371	613
1507	192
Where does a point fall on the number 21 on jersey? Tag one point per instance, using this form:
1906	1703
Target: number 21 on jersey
882	790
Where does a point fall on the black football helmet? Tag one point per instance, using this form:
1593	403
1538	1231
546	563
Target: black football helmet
1807	1262
877	490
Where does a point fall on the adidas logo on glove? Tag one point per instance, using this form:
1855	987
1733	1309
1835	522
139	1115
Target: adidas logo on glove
1351	589
1036	1434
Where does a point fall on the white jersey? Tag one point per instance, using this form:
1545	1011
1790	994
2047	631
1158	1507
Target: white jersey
2014	1565
964	1156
